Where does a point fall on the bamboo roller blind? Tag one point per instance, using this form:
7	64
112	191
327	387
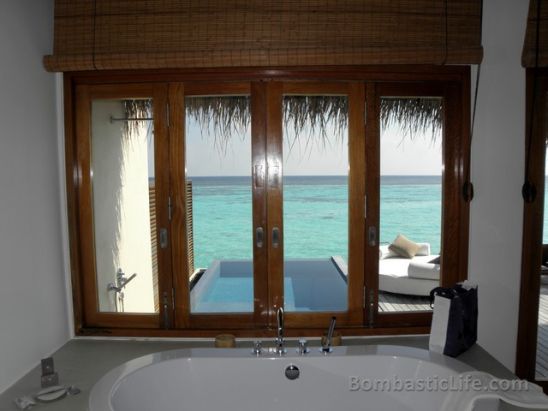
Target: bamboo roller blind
145	34
529	48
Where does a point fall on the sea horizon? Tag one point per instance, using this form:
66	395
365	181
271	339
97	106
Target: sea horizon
315	207
388	179
436	177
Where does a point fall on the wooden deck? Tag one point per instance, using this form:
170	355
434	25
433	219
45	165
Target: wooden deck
389	302
542	337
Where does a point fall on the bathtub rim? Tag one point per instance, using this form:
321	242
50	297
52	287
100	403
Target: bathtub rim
104	389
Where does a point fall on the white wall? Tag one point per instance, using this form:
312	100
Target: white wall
496	214
121	208
33	309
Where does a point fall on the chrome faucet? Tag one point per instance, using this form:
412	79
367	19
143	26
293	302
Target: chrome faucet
326	347
280	349
303	348
257	348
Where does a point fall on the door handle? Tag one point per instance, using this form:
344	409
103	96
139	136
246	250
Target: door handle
259	237
275	237
372	236
163	238
258	176
274	174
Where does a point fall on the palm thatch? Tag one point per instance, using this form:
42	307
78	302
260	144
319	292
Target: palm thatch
413	115
323	117
136	111
221	116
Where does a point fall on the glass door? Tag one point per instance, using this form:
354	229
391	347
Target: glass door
315	202
541	363
410	200
220	213
268	186
413	182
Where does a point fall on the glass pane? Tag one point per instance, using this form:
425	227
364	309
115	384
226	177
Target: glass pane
315	203
541	369
219	203
410	202
122	154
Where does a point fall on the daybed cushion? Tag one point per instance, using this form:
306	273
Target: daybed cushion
394	278
404	246
385	252
423	270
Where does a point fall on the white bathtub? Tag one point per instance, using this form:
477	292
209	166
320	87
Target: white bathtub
235	380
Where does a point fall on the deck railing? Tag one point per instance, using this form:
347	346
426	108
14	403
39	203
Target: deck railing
189	228
154	245
154	237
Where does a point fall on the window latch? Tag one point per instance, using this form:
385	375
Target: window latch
259	233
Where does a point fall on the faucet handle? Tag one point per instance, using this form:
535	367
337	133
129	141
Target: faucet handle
303	347
257	348
280	346
326	349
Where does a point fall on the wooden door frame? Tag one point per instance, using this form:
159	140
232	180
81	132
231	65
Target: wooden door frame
456	75
533	224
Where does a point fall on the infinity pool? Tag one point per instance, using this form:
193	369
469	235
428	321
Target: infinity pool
309	285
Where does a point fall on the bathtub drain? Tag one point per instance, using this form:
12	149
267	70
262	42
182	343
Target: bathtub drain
292	372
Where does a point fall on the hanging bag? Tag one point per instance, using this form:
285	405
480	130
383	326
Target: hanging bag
455	318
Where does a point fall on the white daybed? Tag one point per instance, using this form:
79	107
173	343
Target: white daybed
411	276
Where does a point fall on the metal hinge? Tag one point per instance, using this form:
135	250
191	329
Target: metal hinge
169	208
167	115
365	206
364	296
371	307
173	299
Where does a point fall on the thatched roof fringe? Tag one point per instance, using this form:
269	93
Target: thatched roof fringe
222	117
228	116
413	115
319	115
135	109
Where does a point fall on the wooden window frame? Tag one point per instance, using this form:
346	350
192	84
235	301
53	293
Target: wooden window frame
86	246
454	80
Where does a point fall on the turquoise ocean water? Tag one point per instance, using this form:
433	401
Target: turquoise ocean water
315	215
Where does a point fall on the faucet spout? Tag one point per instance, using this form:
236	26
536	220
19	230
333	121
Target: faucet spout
326	348
280	349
